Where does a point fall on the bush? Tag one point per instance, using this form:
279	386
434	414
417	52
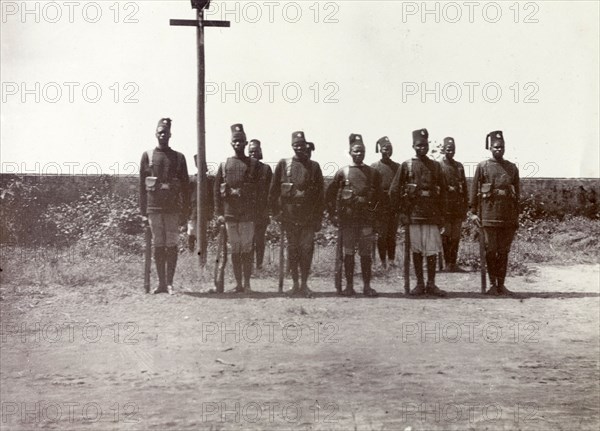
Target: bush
97	218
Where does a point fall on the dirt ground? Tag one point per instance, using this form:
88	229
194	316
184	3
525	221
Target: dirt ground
108	357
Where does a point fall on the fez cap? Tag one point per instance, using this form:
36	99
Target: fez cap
237	132
493	137
311	146
298	138
255	142
381	142
164	123
420	135
355	138
448	141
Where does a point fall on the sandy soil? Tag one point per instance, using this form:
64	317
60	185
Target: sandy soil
111	358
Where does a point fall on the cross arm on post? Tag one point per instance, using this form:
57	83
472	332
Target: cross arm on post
196	23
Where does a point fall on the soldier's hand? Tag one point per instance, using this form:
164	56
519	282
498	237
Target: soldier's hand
317	225
183	219
220	220
403	219
474	218
145	221
335	221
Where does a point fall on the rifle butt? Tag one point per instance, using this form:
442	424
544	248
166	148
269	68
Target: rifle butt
147	258
406	259
483	260
221	260
339	261
281	258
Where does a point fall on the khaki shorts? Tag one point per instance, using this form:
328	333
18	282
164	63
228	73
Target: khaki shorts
191	227
425	239
165	229
360	235
241	235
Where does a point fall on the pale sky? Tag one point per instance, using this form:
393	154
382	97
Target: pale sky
370	60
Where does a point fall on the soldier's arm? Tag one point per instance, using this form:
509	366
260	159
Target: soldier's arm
184	180
396	189
264	181
319	194
275	190
331	194
378	187
517	184
143	174
474	201
217	192
443	191
464	187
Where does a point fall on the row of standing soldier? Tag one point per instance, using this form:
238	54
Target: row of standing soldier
430	199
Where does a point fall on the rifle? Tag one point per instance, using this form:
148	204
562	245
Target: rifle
479	224
221	259
147	256
281	256
339	260
407	258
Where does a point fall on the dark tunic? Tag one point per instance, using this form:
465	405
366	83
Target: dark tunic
265	175
496	187
456	189
387	169
418	190
236	190
354	195
302	202
171	189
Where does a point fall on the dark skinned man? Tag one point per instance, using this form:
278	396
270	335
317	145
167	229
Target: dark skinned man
236	193
296	197
352	200
417	191
387	218
456	204
495	204
164	200
262	211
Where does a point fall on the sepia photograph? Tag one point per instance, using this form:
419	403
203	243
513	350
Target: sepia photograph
299	215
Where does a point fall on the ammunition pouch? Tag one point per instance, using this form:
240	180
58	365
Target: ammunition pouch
508	192
151	183
287	191
223	190
486	190
411	190
290	194
346	196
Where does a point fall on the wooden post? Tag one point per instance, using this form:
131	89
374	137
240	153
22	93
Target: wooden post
201	220
202	182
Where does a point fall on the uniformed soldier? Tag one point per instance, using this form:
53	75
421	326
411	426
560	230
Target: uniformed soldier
262	211
296	196
456	204
164	200
352	200
387	218
495	198
192	221
418	191
236	193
